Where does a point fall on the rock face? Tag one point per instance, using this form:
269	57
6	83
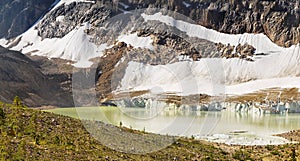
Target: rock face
245	51
17	16
278	19
20	76
65	18
106	70
194	48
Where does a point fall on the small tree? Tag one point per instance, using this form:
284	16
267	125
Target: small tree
293	156
17	102
2	116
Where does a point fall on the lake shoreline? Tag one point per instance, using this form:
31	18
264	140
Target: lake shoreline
267	139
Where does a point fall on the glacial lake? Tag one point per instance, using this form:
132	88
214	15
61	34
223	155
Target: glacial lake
224	126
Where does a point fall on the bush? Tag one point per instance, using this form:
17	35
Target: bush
2	116
241	155
17	102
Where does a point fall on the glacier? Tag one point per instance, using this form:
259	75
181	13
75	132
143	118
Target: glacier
217	76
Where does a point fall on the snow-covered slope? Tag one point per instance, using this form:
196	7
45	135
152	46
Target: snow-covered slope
186	78
280	68
260	41
67	2
74	46
135	41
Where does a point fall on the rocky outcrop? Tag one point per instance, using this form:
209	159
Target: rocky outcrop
20	76
177	42
278	19
107	71
245	51
56	69
18	16
194	48
65	18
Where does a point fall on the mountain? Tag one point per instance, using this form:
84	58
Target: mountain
213	48
279	20
21	76
18	16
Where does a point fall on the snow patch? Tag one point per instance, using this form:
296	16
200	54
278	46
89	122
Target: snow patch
67	2
60	18
124	5
3	41
136	42
75	46
124	11
187	5
253	86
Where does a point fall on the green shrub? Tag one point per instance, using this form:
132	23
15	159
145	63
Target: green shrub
241	155
275	152
17	102
2	116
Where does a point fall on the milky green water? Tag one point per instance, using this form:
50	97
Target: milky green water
187	123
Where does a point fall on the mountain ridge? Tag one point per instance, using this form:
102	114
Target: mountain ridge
234	17
21	76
